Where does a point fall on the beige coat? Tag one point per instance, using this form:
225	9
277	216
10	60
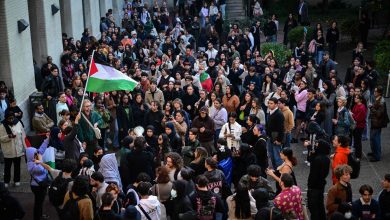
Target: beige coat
13	147
157	96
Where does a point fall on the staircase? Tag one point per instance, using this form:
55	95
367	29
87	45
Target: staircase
235	9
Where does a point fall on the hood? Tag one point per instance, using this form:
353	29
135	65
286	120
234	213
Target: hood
108	166
151	202
343	150
172	127
323	147
30	151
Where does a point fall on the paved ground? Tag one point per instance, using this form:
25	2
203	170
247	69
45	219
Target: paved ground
370	173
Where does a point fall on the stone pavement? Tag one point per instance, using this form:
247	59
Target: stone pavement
370	173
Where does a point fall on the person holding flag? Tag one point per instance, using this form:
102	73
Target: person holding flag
101	78
204	79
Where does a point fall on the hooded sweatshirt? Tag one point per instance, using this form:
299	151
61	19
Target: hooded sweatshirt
109	168
340	157
152	207
37	171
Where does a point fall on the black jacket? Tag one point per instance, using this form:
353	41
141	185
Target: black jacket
154	118
275	126
124	115
140	161
319	170
72	144
138	114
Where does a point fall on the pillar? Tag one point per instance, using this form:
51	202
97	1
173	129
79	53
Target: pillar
92	16
117	11
72	18
104	6
45	30
16	61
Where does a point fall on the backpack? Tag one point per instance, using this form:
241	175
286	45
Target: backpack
312	46
352	122
58	189
71	209
355	164
205	211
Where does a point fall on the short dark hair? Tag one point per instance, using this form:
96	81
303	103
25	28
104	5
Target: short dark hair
343	140
194	131
143	188
202	181
311	90
366	187
379	89
107	199
143	177
80	185
211	162
274	100
387	177
139	143
97	176
69	165
37	105
282	100
287	180
254	170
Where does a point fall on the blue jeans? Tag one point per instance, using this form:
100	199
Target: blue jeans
222	9
288	140
274	154
320	54
375	141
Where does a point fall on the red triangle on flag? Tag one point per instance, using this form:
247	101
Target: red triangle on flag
93	69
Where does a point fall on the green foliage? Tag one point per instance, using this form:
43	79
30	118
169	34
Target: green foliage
382	57
280	51
297	35
350	26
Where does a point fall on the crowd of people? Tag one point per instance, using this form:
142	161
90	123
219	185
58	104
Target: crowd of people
210	120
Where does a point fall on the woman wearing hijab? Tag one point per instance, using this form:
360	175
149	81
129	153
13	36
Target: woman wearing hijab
328	96
174	138
12	144
109	168
39	176
124	117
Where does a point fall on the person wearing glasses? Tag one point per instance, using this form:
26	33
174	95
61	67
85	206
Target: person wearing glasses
86	132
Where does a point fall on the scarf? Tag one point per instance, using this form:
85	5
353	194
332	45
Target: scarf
8	125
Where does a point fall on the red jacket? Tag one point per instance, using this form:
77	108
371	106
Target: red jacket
359	115
340	157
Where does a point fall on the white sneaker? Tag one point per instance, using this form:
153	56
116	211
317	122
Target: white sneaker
305	152
17	184
6	185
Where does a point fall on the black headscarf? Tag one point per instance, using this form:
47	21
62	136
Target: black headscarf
7	124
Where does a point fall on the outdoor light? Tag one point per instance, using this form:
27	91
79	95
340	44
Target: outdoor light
22	25
54	9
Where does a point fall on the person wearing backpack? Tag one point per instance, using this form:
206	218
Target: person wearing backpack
61	184
341	153
359	113
39	176
105	211
207	204
342	120
149	207
77	204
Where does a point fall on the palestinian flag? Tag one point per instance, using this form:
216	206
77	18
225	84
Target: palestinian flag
206	81
105	79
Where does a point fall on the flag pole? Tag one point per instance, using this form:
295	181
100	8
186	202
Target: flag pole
86	84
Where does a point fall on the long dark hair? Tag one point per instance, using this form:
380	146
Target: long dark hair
289	154
242	201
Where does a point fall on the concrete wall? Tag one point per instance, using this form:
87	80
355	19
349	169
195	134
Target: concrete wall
72	18
92	16
45	30
104	6
16	61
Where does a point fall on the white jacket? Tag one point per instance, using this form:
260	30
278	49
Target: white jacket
152	207
234	129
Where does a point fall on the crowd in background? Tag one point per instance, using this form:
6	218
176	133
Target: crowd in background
210	125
